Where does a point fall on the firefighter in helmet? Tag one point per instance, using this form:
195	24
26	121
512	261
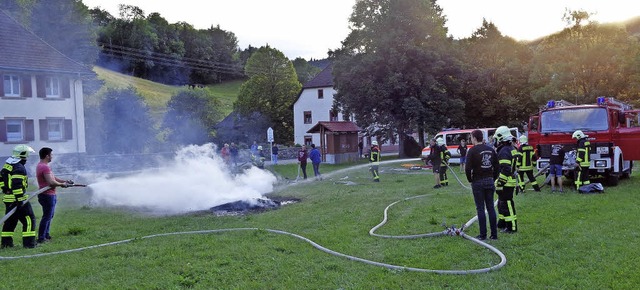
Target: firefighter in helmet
526	163
445	155
506	182
258	158
582	159
14	186
374	159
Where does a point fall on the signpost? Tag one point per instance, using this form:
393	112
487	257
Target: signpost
270	140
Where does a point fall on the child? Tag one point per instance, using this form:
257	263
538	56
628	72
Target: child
462	150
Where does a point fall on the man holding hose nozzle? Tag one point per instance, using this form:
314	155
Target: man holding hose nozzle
48	198
14	182
481	169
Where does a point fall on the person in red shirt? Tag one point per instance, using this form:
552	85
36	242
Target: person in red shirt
48	198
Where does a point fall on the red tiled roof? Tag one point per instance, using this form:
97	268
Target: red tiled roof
335	126
20	49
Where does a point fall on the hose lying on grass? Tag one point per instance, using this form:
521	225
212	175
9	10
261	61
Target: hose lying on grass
448	231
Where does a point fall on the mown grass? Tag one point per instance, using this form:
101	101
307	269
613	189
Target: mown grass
566	241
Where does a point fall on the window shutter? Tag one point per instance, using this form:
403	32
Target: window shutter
40	88
44	130
29	130
68	129
3	131
66	88
2	87
26	86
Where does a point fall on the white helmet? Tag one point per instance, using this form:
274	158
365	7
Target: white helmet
22	151
260	147
440	141
374	143
578	135
502	134
524	139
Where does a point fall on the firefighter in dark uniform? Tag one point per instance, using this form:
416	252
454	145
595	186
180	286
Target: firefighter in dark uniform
374	159
506	182
526	163
14	186
582	159
445	155
434	159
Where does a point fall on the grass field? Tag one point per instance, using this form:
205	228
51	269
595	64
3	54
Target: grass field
565	241
157	95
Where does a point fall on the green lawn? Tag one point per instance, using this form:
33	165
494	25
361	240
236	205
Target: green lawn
565	241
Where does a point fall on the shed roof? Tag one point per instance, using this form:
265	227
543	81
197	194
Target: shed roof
23	50
335	126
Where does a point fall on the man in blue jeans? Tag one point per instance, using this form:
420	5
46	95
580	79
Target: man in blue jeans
316	159
481	169
48	198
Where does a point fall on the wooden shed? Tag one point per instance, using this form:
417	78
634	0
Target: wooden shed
338	141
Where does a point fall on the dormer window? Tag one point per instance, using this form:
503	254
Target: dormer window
320	94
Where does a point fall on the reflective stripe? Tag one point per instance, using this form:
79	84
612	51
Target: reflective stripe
30	232
505	161
7	234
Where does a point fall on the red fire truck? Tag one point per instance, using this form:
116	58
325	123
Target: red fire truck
612	129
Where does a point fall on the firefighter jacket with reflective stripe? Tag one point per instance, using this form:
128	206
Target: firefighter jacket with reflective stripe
507	161
445	155
584	146
527	157
374	156
15	182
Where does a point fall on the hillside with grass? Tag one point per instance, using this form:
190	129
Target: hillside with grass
157	95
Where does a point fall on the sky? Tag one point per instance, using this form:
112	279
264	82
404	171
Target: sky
310	28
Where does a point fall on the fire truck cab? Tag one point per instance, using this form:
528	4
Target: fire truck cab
612	128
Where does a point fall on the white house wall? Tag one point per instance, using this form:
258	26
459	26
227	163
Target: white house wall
308	101
35	108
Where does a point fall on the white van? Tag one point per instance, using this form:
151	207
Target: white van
452	140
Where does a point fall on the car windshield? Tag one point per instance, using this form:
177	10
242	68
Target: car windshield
586	119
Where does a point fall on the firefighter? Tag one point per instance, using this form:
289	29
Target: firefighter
434	159
582	159
14	186
506	182
445	155
374	159
526	163
258	158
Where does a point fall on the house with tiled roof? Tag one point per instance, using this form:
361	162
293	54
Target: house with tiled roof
314	104
41	97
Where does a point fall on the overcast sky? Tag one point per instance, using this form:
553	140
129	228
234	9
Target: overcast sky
309	28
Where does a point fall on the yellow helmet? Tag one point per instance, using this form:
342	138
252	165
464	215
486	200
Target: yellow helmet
22	151
502	134
578	134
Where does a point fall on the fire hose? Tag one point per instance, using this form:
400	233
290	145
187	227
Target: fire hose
450	231
41	190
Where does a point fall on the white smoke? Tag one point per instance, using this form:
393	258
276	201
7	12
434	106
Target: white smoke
197	179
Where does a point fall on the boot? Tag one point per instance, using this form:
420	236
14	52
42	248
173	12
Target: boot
7	242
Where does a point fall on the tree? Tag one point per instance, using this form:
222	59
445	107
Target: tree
191	117
584	61
496	79
271	90
394	71
304	70
126	123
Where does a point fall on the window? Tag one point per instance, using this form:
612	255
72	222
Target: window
307	117
308	140
11	86
55	129
333	115
320	94
15	130
52	87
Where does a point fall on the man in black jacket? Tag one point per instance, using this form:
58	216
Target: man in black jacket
481	169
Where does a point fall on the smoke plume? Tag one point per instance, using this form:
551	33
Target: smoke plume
197	179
